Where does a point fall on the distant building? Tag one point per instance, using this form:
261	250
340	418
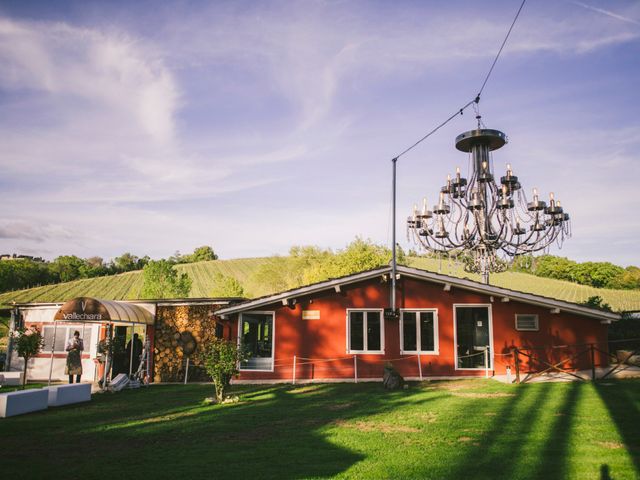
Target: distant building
15	256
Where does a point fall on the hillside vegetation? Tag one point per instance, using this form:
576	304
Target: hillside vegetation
255	276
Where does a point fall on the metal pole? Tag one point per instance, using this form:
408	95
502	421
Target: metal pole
393	235
419	365
186	372
53	346
294	370
355	368
107	358
147	364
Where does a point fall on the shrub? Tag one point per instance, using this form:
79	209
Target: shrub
221	361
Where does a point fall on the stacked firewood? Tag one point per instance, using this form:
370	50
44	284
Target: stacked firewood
169	349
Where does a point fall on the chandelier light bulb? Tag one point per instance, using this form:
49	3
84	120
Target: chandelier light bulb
458	172
424	206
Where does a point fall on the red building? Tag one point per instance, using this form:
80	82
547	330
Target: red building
337	330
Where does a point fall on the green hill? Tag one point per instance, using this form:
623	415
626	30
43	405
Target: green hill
127	286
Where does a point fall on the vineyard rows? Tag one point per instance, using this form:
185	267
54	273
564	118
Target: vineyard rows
127	286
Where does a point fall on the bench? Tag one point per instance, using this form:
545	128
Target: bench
23	401
68	394
11	378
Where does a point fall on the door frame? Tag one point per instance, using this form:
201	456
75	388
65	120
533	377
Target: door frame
455	334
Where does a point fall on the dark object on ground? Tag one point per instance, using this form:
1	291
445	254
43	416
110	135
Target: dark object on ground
392	380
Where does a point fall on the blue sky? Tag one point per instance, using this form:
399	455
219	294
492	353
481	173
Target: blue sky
152	127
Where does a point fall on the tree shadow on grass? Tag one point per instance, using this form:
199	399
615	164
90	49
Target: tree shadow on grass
622	400
519	441
168	432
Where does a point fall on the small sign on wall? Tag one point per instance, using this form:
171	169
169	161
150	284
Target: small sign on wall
311	314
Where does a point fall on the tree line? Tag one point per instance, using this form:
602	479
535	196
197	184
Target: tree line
595	274
17	274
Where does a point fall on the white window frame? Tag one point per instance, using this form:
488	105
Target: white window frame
537	327
364	326
64	329
455	334
436	343
273	339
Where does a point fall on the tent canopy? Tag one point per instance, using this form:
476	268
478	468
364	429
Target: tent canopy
86	309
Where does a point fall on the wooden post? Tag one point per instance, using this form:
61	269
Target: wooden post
593	362
486	362
293	380
419	365
355	368
516	362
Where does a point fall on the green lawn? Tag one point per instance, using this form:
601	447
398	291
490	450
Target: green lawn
463	429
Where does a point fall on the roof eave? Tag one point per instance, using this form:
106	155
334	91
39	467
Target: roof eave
606	317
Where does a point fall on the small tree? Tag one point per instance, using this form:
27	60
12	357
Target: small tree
29	342
221	360
162	280
226	287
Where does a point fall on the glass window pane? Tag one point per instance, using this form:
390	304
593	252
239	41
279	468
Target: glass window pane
373	331
257	339
86	337
356	329
62	335
426	331
409	331
47	333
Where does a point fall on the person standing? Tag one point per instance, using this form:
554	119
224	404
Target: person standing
137	352
75	347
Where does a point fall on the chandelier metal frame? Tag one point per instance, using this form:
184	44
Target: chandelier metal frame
487	223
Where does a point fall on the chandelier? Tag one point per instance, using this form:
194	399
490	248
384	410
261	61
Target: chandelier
487	222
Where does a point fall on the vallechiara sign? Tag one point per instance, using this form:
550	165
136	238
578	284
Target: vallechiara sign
82	310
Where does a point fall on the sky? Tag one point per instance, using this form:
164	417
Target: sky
152	127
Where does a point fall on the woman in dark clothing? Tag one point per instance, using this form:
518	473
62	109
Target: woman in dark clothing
75	347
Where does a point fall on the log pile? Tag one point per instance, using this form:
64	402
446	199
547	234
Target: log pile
169	358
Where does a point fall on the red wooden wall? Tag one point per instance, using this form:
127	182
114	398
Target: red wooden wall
326	338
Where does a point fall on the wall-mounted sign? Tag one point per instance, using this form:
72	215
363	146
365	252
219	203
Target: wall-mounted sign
311	314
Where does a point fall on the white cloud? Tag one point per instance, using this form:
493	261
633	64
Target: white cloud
171	117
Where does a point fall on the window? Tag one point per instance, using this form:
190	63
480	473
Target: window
419	328
219	330
256	334
64	333
527	323
365	331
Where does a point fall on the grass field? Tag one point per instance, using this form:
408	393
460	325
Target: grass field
127	286
464	429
